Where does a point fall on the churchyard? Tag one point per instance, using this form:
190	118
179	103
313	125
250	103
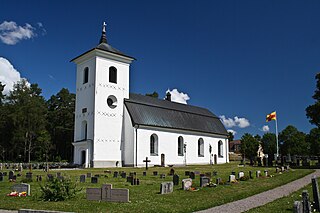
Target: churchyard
161	189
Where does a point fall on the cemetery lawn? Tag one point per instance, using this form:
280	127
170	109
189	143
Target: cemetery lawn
284	204
146	197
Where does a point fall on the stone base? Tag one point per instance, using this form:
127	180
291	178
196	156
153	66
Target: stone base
106	164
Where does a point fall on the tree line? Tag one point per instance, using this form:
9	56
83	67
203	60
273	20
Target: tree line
291	140
35	129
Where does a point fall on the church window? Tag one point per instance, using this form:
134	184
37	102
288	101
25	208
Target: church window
180	146
200	147
85	75
154	145
220	149
113	75
112	101
84	110
84	130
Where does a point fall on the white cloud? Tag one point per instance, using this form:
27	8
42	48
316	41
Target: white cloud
178	97
11	33
8	75
265	128
236	121
232	131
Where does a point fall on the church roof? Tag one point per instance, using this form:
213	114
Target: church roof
149	111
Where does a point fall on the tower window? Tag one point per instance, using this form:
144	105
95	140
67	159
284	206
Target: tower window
180	146
113	75
85	75
84	130
84	110
112	101
200	147
154	145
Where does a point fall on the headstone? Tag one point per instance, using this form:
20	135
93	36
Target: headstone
135	181
176	180
232	178
1	176
233	173
218	181
114	195
14	178
94	180
277	169
187	173
166	187
144	173
22	187
155	173
306	202
39	178
204	181
89	175
162	176
186	184
258	173
240	175
129	179
171	172
11	174
316	195
266	173
214	173
93	193
50	177
115	174
82	178
29	175
282	168
197	172
146	161
287	167
192	175
297	207
58	174
250	175
123	175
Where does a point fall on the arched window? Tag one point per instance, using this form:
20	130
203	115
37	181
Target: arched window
154	145
85	75
200	147
220	149
180	146
84	130
113	75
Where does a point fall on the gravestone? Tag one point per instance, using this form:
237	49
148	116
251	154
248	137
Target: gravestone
316	196
123	175
50	177
218	181
114	195
14	178
166	187
277	169
197	172
266	173
155	173
175	180
192	175
135	181
89	175
162	176
29	175
93	193
204	181
82	178
144	173
1	176
94	180
233	173
214	173
39	178
186	183
250	175
22	187
146	161
240	175
232	178
11	174
258	173
187	173
282	168
58	174
287	167
115	174
130	179
297	207
171	172
306	202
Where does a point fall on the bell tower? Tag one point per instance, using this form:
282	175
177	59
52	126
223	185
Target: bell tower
102	85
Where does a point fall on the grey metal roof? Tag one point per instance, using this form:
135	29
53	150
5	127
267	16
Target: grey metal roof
155	112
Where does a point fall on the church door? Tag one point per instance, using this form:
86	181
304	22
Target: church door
83	157
163	160
215	159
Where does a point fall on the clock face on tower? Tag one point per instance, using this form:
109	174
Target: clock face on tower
112	101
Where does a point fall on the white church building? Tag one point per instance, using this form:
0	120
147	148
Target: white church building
115	128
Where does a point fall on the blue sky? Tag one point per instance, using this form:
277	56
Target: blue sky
240	59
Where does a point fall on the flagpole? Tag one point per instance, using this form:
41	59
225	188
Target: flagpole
277	135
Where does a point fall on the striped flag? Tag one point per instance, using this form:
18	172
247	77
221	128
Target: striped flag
271	116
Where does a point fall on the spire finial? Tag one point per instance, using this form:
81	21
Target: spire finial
103	38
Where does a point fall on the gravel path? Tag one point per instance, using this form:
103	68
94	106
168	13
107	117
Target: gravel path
264	197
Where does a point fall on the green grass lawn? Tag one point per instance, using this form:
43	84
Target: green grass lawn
146	197
284	204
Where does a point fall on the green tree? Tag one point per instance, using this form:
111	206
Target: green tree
313	111
154	94
269	143
293	142
27	113
313	138
61	126
230	136
249	146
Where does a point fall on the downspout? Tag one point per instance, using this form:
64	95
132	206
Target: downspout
136	145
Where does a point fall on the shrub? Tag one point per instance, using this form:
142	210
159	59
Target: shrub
58	190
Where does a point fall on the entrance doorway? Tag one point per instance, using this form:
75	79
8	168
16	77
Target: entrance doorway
215	159
83	157
163	160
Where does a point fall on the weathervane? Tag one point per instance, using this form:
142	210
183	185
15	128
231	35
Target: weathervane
104	27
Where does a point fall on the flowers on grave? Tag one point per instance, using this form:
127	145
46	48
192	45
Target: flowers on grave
17	194
193	189
244	178
211	184
234	181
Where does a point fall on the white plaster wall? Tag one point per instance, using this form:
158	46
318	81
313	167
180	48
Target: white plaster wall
128	140
107	121
168	145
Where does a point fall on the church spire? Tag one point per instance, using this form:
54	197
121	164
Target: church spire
103	38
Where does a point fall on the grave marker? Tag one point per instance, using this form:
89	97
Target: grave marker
166	187
146	161
192	175
155	173
187	173
114	195
115	174
89	175
11	174
171	172
175	180
258	173
93	193
186	184
162	176
144	173
232	178
250	175
306	202
240	175
297	207
94	180
82	178
22	187
204	181
29	175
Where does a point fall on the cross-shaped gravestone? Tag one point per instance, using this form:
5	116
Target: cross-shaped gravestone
147	161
